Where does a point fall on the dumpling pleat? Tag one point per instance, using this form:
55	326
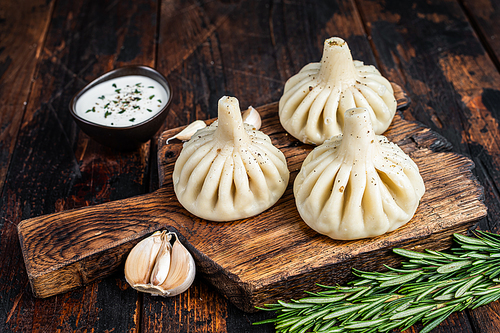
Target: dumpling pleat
332	126
362	102
375	219
243	194
301	105
269	170
257	181
382	113
299	79
346	102
227	188
314	124
293	97
191	161
195	179
208	195
395	213
335	206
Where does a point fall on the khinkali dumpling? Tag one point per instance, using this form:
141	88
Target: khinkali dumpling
315	99
228	171
358	184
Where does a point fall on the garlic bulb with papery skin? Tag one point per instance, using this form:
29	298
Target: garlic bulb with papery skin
315	99
358	184
160	265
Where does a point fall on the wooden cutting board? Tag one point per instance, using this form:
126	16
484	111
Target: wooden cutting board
274	255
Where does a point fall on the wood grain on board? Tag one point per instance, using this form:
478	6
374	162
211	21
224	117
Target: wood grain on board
259	259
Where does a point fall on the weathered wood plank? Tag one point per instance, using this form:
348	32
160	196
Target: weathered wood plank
484	15
21	42
56	167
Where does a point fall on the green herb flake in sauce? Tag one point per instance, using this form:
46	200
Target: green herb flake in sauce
149	110
136	106
151	97
137	91
107	114
159	101
102	97
138	84
106	106
89	110
151	87
114	85
117	91
122	110
132	119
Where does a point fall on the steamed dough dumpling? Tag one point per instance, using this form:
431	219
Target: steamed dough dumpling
228	171
358	184
315	100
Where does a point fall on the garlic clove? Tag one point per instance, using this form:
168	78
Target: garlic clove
160	265
252	117
182	274
189	131
144	254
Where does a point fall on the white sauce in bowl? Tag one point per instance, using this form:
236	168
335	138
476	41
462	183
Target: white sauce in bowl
122	102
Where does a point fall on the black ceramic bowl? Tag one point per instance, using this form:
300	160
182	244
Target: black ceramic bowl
123	138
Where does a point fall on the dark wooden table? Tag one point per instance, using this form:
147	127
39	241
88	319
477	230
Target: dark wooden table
445	54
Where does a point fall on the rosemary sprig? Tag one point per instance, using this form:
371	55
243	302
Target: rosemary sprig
428	287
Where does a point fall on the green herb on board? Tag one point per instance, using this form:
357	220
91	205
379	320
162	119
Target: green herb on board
428	287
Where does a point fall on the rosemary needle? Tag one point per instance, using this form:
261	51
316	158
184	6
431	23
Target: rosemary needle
429	287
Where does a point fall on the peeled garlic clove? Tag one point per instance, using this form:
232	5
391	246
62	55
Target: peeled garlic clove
188	132
171	270
252	117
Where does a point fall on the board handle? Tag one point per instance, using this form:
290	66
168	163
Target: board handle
69	249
